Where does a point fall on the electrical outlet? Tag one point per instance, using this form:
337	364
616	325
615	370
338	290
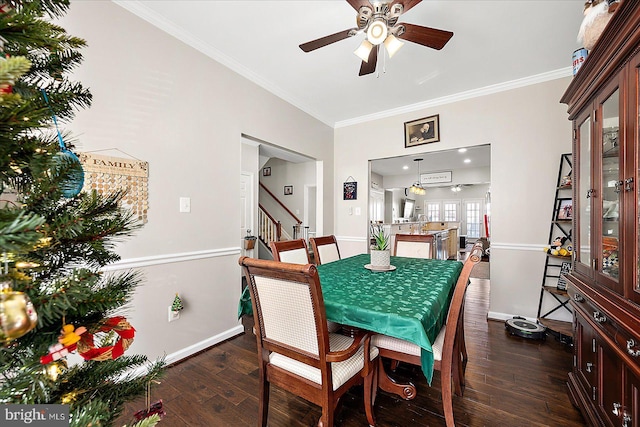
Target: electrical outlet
173	315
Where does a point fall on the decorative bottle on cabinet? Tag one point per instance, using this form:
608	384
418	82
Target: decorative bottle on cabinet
603	104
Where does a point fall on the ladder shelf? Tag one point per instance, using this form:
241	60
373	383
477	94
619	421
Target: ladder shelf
553	287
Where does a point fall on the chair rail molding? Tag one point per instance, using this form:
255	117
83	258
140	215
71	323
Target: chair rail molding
351	239
517	246
170	258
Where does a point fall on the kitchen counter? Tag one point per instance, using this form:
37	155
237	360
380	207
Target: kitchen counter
446	238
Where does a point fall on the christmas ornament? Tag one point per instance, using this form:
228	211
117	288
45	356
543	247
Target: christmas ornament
74	181
67	342
54	369
177	303
17	314
88	350
156	408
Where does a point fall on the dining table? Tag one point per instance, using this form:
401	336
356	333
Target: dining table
409	301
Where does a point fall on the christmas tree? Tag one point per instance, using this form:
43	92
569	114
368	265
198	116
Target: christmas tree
54	240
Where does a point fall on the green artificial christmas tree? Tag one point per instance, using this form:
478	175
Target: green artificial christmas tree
54	240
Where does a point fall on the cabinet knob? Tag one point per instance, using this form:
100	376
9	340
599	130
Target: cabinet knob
626	419
590	193
630	348
599	317
589	368
578	298
618	186
628	184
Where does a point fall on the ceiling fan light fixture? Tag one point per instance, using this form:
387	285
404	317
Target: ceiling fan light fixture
392	44
363	50
377	32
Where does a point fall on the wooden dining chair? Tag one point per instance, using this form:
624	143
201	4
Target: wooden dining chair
414	245
292	251
449	349
325	249
296	252
296	351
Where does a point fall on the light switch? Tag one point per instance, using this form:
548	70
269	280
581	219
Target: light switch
358	211
185	204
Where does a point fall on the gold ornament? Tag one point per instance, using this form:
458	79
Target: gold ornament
55	368
17	314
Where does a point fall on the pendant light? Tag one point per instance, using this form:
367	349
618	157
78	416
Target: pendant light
417	187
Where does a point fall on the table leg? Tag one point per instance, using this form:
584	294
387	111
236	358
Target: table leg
385	382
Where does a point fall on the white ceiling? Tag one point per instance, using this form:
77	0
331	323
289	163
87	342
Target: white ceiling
497	44
478	156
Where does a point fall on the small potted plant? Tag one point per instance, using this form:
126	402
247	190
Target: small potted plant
380	256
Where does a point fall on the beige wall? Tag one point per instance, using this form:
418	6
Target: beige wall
161	101
528	131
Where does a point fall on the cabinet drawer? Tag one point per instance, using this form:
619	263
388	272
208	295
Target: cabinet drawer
627	342
589	309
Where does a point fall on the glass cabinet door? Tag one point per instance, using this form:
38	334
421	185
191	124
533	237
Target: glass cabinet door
583	198
611	187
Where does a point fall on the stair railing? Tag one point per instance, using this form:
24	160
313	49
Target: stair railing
269	230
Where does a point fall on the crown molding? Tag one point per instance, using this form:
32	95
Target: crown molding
138	8
449	99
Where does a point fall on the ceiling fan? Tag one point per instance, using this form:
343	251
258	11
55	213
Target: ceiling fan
379	21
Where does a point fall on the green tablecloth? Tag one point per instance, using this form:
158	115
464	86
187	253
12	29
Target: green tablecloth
409	303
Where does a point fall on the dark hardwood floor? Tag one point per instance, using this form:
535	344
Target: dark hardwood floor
511	382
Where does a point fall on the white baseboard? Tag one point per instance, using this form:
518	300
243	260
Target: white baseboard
204	344
192	349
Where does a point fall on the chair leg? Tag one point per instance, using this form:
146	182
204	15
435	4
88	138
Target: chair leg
263	408
370	393
326	419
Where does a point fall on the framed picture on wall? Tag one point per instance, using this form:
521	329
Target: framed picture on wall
422	131
266	171
350	190
288	190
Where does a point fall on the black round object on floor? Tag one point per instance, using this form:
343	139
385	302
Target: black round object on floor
525	328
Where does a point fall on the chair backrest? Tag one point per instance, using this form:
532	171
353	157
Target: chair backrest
325	249
455	317
288	310
291	251
414	245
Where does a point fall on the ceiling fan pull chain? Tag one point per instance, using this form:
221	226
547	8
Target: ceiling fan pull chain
384	61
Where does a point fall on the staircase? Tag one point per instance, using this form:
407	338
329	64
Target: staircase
270	228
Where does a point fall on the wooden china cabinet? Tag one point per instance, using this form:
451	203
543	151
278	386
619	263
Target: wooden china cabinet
603	104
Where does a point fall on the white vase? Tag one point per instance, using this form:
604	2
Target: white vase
381	259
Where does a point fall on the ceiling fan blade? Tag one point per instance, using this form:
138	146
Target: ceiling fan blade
430	37
327	40
370	67
406	4
356	4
